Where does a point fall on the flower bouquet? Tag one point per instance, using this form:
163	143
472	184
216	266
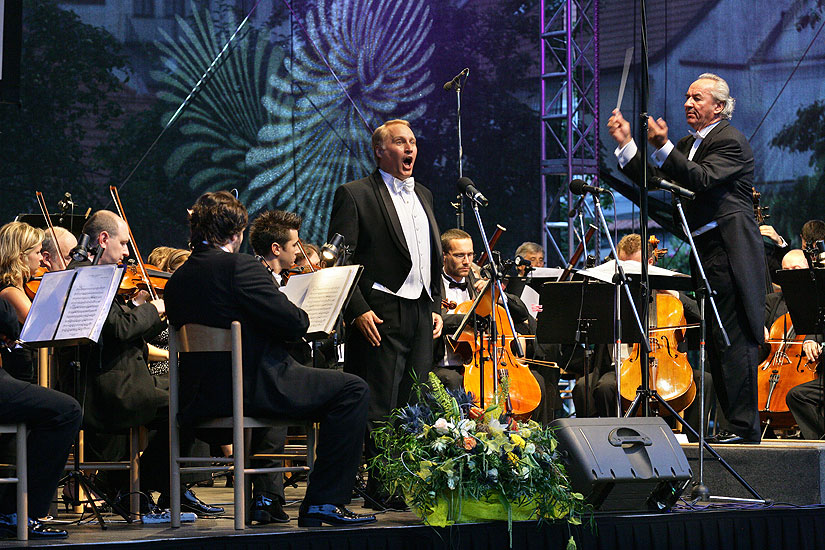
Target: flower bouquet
458	463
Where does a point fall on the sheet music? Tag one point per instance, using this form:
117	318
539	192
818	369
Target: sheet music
89	302
532	300
44	315
321	295
606	271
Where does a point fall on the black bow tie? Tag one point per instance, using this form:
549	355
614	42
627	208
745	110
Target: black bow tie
453	284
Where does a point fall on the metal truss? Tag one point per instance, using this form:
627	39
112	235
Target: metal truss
569	107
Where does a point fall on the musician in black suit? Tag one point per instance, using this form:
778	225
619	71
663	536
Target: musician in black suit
458	284
716	162
388	222
217	286
117	391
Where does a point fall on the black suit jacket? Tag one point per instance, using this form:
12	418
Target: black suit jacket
363	212
214	288
721	175
117	389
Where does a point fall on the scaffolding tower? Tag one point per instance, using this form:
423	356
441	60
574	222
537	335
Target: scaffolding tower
569	110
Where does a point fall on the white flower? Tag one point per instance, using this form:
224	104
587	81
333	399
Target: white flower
529	449
440	444
496	427
492	474
466	427
442	426
451	482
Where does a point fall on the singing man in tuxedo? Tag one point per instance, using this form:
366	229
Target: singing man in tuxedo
716	162
216	286
388	223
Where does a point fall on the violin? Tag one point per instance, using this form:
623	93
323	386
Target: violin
144	276
786	367
670	372
296	269
133	281
32	285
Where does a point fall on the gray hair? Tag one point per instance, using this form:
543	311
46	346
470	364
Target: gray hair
721	93
529	248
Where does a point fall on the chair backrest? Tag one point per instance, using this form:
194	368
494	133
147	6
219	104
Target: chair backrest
199	338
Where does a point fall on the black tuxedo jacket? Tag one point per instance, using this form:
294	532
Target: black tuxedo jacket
721	175
363	212
214	288
117	389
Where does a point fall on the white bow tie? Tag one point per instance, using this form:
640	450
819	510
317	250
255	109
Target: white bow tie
403	185
694	133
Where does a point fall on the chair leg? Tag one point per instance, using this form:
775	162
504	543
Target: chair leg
134	471
22	472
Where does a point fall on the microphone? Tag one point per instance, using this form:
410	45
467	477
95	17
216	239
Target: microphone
466	187
673	188
578	187
575	209
454	82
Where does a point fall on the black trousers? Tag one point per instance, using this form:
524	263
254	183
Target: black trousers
53	419
404	356
807	404
733	368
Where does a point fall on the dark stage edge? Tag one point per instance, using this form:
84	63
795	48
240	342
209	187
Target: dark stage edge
755	528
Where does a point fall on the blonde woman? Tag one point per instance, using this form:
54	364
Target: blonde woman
20	256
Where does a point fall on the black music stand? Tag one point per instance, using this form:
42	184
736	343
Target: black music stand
73	222
573	312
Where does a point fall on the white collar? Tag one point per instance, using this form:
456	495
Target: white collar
703	133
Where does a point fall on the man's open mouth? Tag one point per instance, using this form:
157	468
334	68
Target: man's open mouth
407	162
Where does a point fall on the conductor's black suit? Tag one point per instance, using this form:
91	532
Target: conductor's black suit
721	175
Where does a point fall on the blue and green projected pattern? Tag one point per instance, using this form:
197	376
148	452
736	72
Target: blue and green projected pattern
275	121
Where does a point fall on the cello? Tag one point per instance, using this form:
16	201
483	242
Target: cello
786	367
670	372
489	360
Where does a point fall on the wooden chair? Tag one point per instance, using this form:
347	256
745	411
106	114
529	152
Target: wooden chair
200	338
21	479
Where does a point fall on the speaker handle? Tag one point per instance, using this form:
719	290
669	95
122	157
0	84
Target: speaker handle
634	438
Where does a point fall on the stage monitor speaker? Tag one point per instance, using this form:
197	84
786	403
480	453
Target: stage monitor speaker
623	464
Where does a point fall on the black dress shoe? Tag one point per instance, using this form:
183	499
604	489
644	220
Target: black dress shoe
267	510
394	502
190	503
729	438
316	514
37	530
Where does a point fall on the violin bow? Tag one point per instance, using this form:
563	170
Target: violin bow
304	252
144	275
44	209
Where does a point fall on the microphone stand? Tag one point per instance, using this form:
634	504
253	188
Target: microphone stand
496	290
460	198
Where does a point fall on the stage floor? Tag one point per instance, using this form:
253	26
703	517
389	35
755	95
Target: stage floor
717	526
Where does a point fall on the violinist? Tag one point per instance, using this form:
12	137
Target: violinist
117	388
274	239
459	285
20	257
217	286
52	250
313	256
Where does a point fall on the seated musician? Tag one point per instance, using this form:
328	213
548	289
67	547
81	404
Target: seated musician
20	256
218	285
602	381
777	247
805	401
53	251
460	285
118	390
52	419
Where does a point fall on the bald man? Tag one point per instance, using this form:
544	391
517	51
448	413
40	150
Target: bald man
52	252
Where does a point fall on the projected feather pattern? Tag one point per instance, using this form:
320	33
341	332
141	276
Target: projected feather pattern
282	130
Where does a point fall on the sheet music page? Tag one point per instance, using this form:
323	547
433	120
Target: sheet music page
89	302
321	295
44	315
532	300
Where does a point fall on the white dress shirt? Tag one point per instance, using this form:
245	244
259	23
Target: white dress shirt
625	154
416	228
